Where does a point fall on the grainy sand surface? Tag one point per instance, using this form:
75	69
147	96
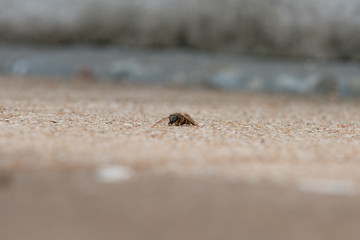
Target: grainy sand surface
264	158
47	124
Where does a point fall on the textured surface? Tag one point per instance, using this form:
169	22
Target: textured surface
81	160
69	124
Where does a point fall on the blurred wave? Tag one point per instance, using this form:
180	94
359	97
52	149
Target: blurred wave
294	28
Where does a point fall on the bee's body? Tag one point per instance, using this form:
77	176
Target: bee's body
179	119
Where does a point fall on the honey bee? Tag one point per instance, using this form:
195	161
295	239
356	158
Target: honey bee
179	119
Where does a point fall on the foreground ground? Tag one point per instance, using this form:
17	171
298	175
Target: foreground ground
259	166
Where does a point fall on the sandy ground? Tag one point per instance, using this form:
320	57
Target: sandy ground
258	166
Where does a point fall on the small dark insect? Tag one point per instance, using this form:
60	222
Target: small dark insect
179	119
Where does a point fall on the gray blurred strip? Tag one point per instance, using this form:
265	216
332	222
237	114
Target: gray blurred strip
183	68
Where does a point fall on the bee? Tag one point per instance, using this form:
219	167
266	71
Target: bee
179	119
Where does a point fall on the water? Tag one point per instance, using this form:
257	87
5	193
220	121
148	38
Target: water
180	67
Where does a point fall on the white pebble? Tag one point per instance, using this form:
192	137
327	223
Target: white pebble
110	174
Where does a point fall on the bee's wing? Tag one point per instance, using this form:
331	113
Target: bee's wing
193	122
160	121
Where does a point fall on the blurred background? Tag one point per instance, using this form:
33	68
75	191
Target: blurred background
259	166
291	46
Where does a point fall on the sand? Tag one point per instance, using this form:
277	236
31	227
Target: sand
68	124
255	159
